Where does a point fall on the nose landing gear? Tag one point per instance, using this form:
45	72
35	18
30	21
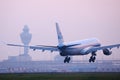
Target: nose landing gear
67	59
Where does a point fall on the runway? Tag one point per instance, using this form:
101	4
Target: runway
53	66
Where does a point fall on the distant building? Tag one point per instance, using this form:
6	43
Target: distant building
25	38
19	58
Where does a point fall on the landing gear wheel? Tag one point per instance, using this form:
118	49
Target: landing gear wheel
67	59
92	59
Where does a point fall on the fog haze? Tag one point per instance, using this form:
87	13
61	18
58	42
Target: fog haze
78	19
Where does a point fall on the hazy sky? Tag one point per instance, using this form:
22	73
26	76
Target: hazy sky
78	19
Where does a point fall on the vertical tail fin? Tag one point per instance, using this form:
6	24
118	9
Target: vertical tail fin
60	37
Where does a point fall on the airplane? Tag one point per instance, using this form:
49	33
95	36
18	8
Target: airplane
82	47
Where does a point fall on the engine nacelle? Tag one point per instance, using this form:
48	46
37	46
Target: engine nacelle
107	52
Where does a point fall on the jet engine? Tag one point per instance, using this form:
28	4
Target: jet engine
107	52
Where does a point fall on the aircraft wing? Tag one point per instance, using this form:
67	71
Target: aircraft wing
38	47
103	47
43	47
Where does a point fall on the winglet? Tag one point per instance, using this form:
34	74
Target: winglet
60	37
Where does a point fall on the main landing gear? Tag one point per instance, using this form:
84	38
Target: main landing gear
92	58
67	59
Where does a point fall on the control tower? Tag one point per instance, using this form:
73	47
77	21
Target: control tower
25	38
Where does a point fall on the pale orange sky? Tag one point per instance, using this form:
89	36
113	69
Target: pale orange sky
78	19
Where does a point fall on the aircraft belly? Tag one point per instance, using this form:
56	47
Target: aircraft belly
73	51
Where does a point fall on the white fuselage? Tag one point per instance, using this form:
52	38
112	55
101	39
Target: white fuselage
81	48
